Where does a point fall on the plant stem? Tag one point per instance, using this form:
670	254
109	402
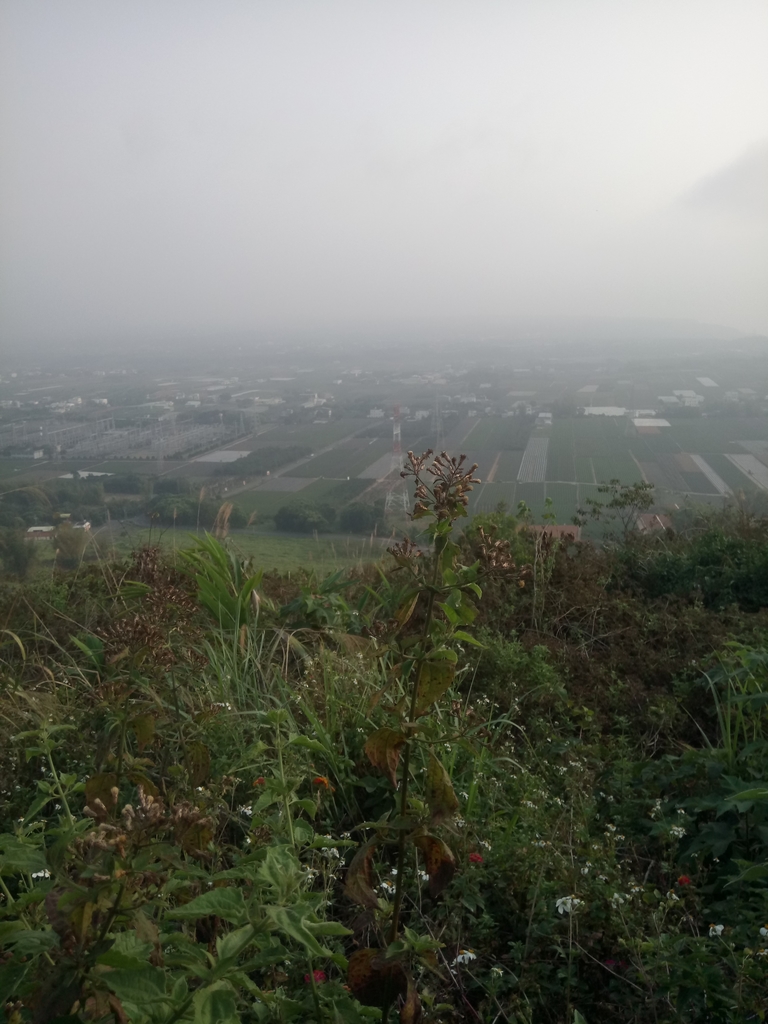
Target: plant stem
6	891
400	882
315	993
62	797
286	805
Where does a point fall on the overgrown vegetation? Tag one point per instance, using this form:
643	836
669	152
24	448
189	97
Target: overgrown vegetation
500	777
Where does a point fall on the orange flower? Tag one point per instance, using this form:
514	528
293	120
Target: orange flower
260	781
323	780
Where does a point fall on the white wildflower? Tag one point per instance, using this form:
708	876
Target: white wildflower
716	930
617	899
567	904
464	956
41	874
677	832
387	887
497	972
764	931
673	897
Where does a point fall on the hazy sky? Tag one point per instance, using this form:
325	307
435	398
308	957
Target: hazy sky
173	168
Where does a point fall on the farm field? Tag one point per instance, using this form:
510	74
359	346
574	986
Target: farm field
508	465
266	502
275	551
9	468
342	462
313	435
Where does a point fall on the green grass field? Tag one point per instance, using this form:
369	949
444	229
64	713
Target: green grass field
272	551
343	462
619	466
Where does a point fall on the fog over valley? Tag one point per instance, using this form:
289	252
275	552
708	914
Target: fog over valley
193	173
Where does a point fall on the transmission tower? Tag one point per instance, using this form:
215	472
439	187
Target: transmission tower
398	502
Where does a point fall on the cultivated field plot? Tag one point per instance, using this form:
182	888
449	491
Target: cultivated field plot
757	448
508	465
646	446
533	495
285	484
224	455
716	481
265	502
731	474
498	434
377	470
533	468
752	468
10	468
565	500
619	466
718	433
312	435
584	470
144	467
339	463
486	497
560	457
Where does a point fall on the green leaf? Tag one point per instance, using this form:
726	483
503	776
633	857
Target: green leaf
453	616
291	921
441	798
31	943
281	871
226	903
140	988
435	677
308	806
309	744
16	856
749	795
11	978
233	943
215	1004
467	639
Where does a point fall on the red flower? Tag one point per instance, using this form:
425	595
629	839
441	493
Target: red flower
323	780
260	781
319	977
475	858
683	880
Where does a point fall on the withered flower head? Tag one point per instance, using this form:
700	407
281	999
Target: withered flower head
446	496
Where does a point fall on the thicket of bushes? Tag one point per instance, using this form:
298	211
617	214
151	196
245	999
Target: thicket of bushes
497	778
